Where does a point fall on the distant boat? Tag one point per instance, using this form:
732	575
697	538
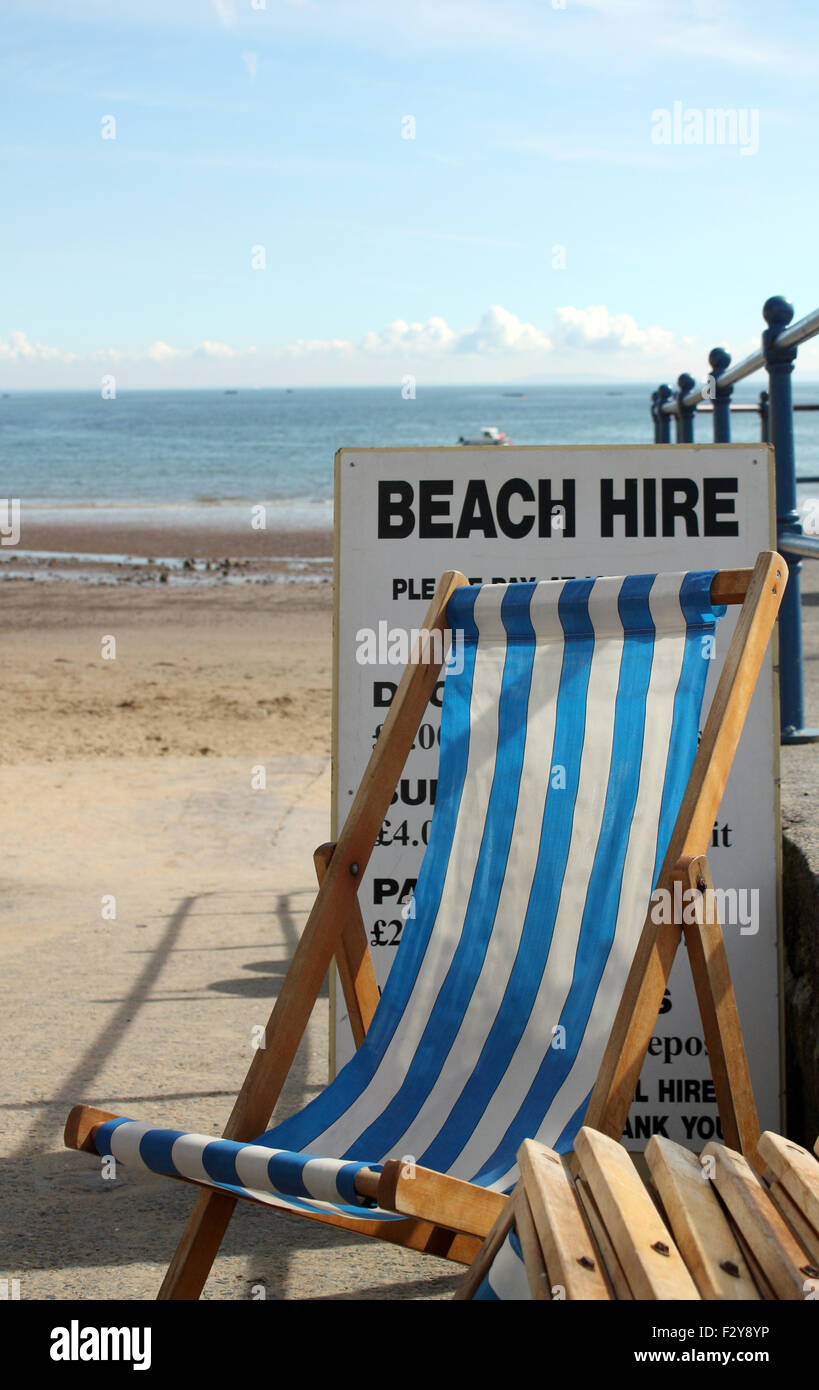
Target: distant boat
515	395
488	435
232	392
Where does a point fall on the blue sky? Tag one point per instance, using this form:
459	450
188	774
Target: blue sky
546	220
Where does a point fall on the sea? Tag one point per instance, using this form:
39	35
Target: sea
73	454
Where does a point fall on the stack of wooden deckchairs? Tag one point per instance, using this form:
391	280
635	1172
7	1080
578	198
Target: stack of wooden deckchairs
707	1228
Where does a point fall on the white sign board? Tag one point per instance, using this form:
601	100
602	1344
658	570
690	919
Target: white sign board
403	516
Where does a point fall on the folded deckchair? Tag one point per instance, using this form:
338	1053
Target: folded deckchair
709	1227
569	735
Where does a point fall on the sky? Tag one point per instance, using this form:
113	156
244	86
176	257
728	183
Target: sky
204	193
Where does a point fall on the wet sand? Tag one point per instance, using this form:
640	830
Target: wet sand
184	552
177	539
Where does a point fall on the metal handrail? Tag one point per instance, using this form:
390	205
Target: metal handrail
756	409
746	367
805	546
776	354
797	333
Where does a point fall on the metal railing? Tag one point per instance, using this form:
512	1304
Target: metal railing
777	354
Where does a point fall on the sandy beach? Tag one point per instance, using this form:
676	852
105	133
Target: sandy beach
199	671
131	778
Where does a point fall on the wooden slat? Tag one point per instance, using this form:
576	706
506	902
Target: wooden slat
796	1169
571	1258
782	1258
353	960
81	1127
730	586
648	977
611	1264
765	1291
698	1223
485	1257
539	1286
450	1202
651	1261
726	716
719	1014
268	1070
805	1233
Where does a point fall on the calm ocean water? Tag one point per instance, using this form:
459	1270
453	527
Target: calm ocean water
172	448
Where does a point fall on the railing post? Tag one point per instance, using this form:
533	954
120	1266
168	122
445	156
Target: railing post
663	421
719	360
685	413
654	417
777	313
764	414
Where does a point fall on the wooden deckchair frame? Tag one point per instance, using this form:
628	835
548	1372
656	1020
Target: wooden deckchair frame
446	1216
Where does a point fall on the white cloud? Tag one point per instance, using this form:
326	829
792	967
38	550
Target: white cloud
595	327
210	349
317	347
399	339
501	331
161	352
19	348
498	331
581	342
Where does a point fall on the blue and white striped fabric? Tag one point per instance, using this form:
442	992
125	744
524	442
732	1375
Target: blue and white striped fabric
243	1168
506	1279
566	744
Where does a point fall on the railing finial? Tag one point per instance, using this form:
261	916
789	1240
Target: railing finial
685	413
719	360
663	421
777	311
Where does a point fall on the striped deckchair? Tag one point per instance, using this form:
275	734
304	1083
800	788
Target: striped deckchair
568	735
